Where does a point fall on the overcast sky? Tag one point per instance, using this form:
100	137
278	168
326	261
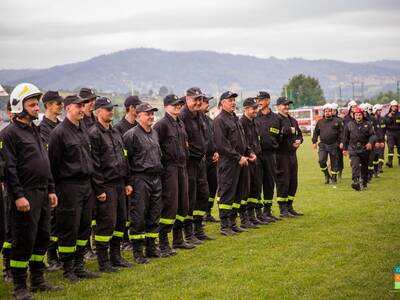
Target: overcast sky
44	33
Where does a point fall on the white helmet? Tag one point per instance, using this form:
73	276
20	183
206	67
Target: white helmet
327	106
393	103
21	92
351	104
363	106
377	107
368	108
334	106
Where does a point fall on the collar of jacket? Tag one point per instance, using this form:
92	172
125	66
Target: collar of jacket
73	126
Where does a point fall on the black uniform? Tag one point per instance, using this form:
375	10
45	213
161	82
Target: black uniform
123	126
380	133
27	175
46	126
144	156
197	171
356	136
232	180
286	162
72	168
174	178
110	177
329	131
211	165
340	152
89	121
393	136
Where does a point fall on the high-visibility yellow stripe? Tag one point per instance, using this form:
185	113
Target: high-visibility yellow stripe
235	205
243	202
119	234
102	238
274	130
167	221
94	223
334	173
7	245
137	236
290	198
37	257
225	206
370	168
127	224
376	162
180	218
268	201
381	160
125	152
324	169
211	200
66	249
81	243
188	217
53	238
18	264
153	235
199	213
217	198
390	154
281	199
252	200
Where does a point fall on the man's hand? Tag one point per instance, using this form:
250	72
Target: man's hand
314	146
252	157
128	190
53	200
243	161
293	130
368	146
22	204
102	197
215	157
345	152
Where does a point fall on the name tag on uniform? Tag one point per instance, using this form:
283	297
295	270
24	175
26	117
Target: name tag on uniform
274	130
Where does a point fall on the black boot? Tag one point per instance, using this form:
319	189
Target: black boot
356	184
252	216
189	234
380	167
327	177
334	178
364	184
151	248
68	271
291	209
276	218
20	290
53	262
38	284
178	242
389	163
260	216
89	253
267	214
165	248
80	270
200	233
137	246
104	261
234	227
245	222
284	209
116	258
225	228
208	217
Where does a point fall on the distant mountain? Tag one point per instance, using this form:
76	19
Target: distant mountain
143	69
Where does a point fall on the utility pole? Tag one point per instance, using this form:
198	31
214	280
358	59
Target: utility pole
352	86
362	91
340	93
398	91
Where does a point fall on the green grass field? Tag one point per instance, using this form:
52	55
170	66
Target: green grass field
345	246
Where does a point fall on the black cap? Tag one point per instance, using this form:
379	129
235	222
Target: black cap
172	100
52	96
87	93
103	102
228	95
145	107
250	102
132	100
194	92
207	99
74	99
283	100
263	95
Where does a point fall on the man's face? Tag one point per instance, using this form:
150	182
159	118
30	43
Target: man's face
146	118
174	109
328	113
283	108
394	108
194	104
105	114
358	117
132	110
54	107
32	107
89	107
205	106
334	112
229	105
76	111
251	111
378	112
264	103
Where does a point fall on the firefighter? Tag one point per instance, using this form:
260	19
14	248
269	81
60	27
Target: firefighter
250	210
72	168
211	161
89	118
193	118
286	159
269	129
349	116
174	146
126	123
234	157
129	120
393	132
329	130
31	186
144	156
111	185
357	142
335	114
368	117
52	102
380	132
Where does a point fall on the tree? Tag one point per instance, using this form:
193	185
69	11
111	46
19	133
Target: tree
304	91
163	91
383	97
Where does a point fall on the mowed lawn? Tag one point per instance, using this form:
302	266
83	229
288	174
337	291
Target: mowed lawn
345	246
